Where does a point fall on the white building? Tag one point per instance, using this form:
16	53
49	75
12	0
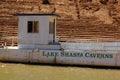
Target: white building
37	31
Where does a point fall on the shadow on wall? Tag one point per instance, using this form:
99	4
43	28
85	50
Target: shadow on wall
101	1
108	1
45	2
85	0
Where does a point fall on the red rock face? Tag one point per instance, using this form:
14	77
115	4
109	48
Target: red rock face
78	18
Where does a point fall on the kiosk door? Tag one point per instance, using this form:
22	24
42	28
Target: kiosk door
52	31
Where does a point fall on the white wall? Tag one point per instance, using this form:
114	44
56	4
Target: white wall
110	47
37	56
26	38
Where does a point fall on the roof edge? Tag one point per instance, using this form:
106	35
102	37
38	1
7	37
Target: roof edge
27	14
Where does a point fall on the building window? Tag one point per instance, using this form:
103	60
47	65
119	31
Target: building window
52	27
33	26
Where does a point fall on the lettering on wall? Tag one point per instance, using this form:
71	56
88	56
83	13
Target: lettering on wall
77	54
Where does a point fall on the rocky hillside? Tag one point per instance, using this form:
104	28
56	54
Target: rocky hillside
91	19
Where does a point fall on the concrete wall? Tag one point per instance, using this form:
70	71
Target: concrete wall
111	47
60	57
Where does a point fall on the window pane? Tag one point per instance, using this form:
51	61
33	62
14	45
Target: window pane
51	27
30	28
36	26
33	26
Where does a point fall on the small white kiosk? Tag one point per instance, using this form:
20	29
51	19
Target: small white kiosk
37	31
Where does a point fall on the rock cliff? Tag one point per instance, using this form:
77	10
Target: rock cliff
81	19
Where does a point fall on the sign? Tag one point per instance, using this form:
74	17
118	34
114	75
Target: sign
77	54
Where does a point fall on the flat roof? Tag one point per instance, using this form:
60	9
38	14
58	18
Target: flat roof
24	14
